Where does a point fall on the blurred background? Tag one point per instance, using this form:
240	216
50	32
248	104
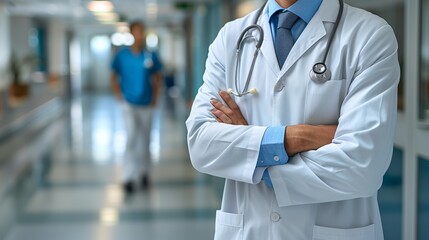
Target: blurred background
62	135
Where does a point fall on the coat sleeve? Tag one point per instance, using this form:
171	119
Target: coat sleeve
353	165
222	150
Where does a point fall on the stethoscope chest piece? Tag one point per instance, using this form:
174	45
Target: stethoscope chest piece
320	73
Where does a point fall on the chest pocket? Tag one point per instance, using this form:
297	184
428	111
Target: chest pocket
323	101
325	233
148	61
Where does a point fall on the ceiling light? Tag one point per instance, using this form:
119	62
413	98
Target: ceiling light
152	10
120	39
152	41
100	6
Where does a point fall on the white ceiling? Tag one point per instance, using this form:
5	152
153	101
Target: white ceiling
76	10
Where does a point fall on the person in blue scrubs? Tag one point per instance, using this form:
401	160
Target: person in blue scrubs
136	80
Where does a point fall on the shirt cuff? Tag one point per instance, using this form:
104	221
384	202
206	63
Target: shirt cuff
272	151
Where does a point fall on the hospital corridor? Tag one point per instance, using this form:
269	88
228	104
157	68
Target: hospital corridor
71	188
119	119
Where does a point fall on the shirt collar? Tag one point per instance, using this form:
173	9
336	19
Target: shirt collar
305	9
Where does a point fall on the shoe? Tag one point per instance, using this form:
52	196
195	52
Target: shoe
128	187
145	182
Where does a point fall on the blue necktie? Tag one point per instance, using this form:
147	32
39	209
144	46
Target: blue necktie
284	41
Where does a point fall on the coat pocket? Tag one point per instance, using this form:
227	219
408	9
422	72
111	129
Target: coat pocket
323	101
325	233
228	226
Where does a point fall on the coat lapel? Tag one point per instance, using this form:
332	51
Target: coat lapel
267	48
314	31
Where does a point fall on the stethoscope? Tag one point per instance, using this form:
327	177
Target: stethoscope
320	73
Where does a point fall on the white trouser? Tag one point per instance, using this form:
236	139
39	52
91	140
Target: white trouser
138	124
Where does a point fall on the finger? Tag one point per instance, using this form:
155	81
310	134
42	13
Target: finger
233	118
229	101
226	110
216	118
238	116
215	103
221	116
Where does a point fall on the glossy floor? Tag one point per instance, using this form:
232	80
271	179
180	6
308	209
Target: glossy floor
71	188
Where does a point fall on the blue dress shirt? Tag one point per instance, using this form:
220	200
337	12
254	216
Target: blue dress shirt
272	151
304	9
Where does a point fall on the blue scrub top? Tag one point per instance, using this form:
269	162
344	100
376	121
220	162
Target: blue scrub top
135	72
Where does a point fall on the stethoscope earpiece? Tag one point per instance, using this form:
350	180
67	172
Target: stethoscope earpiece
252	91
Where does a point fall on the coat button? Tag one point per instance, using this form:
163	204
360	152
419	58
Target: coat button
275	217
276	158
279	86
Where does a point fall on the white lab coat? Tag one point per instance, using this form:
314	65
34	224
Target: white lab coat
329	193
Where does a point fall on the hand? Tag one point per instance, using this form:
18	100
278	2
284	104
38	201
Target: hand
116	88
230	113
301	138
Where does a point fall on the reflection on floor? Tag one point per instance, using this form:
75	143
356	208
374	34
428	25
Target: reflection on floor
71	189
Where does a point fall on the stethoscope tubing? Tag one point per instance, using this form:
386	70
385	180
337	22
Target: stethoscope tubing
334	30
319	73
240	41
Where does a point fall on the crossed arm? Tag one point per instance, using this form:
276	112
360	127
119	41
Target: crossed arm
349	167
298	138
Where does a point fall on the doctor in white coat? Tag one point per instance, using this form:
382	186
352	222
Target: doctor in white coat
336	136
